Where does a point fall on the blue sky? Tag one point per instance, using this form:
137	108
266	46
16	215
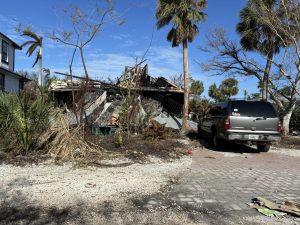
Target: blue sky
117	46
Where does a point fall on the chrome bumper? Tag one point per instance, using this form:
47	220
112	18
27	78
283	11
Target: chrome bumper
254	137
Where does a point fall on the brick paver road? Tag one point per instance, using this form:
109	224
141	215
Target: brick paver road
229	179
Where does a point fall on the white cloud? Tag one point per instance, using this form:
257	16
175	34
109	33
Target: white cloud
103	66
120	36
125	40
162	60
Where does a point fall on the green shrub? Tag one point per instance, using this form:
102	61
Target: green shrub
119	140
23	118
200	107
295	120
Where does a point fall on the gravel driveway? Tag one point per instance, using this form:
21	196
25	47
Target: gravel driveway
31	194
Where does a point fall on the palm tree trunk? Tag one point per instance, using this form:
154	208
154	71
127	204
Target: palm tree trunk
186	86
40	81
266	77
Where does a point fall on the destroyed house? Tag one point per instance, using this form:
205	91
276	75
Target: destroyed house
134	79
160	89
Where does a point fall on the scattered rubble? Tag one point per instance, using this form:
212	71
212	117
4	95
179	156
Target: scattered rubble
103	100
173	122
286	207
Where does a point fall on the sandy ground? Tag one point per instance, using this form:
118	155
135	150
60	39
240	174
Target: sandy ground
61	186
285	151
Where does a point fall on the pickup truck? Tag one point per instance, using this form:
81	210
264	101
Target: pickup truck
242	121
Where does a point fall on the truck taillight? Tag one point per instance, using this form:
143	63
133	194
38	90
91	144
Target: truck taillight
227	124
279	127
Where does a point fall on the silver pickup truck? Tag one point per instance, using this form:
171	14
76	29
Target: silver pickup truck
242	121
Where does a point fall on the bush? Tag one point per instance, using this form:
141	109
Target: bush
199	107
295	120
23	118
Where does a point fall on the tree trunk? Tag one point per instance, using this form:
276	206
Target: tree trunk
40	81
83	63
186	86
287	117
266	77
72	88
286	123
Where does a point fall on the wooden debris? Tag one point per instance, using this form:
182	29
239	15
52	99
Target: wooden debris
288	207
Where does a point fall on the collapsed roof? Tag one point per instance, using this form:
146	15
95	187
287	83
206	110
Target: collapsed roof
134	78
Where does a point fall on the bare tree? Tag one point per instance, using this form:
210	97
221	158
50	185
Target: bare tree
85	27
229	58
177	79
287	29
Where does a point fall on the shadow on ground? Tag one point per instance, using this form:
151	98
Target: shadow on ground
229	147
192	213
33	215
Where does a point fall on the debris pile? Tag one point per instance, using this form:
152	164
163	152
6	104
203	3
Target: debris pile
136	100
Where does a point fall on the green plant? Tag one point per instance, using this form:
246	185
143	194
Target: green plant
227	89
124	116
119	140
197	87
200	107
295	119
23	118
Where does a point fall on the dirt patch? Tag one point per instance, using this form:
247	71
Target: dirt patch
17	159
138	149
289	142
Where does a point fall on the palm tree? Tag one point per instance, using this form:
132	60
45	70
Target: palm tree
35	44
184	15
258	36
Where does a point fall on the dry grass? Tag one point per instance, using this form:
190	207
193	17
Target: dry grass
65	142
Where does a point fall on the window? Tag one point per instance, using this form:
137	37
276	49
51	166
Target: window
4	55
253	109
2	79
21	85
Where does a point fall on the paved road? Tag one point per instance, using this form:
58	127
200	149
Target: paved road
223	182
229	179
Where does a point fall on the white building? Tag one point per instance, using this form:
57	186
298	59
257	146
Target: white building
9	80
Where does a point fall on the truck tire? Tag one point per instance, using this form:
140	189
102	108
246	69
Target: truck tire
216	142
263	147
199	132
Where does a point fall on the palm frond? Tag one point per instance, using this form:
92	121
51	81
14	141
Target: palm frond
27	43
255	34
36	59
31	34
31	49
171	34
184	16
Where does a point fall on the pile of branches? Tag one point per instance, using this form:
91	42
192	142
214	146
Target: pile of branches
66	143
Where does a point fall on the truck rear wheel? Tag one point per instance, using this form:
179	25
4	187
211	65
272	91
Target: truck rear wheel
216	142
263	147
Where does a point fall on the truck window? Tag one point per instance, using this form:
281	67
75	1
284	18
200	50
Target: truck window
253	109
